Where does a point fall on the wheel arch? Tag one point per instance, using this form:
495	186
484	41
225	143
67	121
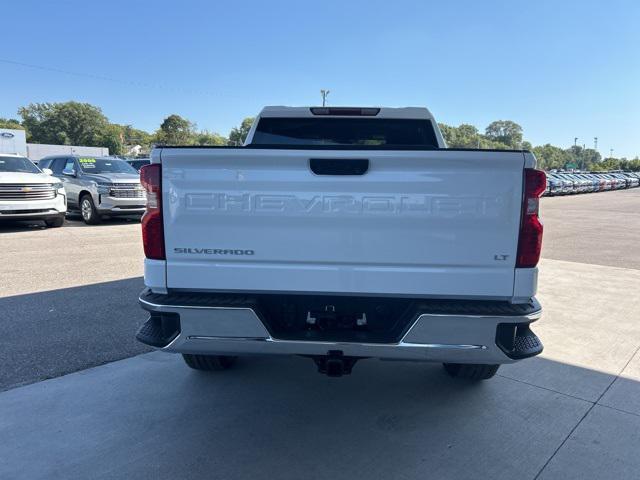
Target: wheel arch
82	193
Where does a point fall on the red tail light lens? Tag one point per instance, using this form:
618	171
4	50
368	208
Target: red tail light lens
152	228
530	239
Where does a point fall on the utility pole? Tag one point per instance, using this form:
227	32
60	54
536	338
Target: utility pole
595	143
324	94
575	141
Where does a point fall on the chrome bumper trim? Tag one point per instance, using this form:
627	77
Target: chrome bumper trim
336	345
436	337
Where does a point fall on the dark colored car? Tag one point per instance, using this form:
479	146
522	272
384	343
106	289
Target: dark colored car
138	163
554	186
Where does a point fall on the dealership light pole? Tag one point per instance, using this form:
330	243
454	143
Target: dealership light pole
324	94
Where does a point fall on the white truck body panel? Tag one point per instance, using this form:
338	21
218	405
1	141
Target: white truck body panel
440	223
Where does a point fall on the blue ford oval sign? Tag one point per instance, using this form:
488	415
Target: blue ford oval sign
6	135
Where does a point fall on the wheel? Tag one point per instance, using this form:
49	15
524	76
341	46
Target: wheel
88	210
54	222
471	371
208	362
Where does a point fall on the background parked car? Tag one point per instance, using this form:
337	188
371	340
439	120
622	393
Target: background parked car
629	181
618	183
138	163
635	177
99	186
554	186
608	183
28	193
567	184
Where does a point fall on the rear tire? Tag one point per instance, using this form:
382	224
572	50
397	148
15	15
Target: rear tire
54	222
471	371
208	362
88	210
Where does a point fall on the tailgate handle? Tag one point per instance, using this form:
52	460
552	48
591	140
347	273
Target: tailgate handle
339	166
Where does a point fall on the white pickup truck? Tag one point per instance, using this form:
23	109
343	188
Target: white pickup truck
341	234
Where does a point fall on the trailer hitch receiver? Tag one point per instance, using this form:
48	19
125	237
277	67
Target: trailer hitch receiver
335	364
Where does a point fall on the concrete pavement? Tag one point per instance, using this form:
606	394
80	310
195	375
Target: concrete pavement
150	417
595	228
35	259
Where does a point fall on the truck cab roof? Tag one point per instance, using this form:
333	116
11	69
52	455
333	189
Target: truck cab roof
416	113
362	115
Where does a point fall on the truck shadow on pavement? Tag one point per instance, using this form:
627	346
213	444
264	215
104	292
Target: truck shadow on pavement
52	333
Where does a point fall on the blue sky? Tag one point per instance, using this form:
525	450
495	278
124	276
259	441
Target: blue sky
559	68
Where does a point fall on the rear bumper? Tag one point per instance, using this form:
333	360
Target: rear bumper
449	337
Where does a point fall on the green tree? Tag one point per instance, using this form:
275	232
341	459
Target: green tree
582	158
69	123
205	137
176	130
633	165
112	137
448	132
610	164
505	132
468	136
133	136
11	123
238	135
550	157
463	136
589	157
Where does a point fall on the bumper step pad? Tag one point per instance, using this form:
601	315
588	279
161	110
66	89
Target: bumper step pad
517	341
159	330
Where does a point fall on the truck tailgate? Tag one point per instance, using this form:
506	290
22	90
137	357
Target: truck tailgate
441	223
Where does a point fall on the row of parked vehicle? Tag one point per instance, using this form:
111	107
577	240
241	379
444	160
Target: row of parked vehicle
568	183
59	184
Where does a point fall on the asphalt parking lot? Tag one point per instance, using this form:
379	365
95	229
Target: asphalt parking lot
68	314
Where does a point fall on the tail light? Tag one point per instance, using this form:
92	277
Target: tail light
152	228
530	239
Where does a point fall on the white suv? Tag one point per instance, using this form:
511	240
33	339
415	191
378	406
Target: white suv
28	193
